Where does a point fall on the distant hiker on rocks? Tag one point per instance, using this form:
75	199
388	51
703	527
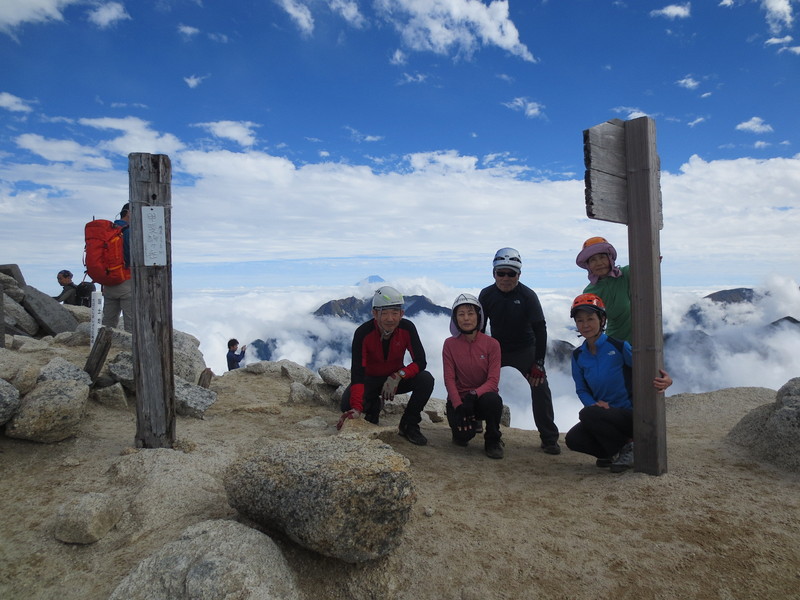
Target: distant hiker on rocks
235	358
601	369
69	291
377	371
517	322
610	282
471	364
119	297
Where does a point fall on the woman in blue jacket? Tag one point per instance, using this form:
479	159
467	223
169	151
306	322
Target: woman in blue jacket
601	368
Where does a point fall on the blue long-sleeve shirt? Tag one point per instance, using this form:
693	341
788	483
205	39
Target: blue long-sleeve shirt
234	359
601	376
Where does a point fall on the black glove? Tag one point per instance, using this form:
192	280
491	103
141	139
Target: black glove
469	402
461	418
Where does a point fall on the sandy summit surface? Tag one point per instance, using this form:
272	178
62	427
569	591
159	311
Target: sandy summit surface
718	524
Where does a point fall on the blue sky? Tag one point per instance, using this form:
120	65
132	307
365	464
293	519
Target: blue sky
322	141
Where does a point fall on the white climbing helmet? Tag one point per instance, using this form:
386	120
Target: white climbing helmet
507	257
387	297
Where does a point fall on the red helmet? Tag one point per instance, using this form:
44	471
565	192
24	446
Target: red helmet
591	302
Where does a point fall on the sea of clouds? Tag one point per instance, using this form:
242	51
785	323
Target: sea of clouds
730	345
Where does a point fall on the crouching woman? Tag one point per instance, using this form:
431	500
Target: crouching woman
601	369
471	363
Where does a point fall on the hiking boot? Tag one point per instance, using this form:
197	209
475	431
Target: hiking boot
624	460
604	463
413	434
553	448
494	449
459	441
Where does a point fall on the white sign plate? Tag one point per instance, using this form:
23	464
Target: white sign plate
154	236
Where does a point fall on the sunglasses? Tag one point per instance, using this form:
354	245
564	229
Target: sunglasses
506	273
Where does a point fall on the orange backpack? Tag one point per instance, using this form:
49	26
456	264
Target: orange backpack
104	256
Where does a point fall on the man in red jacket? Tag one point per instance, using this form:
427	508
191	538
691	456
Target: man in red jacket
378	371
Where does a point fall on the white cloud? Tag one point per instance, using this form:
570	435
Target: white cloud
398	58
14	13
792	49
458	27
299	13
238	131
195	80
726	3
528	107
348	9
688	82
14	103
218	37
187	30
754	125
67	151
137	136
408	78
630	112
760	145
108	14
673	11
697	121
773	41
357	136
779	14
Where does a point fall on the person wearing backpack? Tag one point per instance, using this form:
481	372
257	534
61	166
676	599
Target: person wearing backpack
601	369
119	297
69	291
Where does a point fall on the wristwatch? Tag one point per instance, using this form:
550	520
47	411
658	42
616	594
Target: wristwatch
402	373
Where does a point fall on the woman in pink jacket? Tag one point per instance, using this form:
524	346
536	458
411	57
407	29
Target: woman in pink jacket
471	375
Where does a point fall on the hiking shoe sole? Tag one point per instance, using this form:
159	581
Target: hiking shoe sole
415	437
551	449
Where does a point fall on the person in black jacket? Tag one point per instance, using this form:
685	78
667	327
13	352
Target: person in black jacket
378	371
69	291
515	316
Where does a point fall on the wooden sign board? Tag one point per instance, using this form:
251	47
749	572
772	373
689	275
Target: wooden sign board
606	178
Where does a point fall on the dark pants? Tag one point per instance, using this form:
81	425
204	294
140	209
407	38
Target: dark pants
600	431
420	386
541	397
489	408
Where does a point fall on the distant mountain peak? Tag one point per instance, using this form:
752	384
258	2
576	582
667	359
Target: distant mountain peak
371	279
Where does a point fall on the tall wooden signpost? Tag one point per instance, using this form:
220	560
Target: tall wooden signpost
623	186
150	178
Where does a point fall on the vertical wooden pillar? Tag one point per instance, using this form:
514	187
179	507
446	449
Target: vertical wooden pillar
2	319
644	215
150	178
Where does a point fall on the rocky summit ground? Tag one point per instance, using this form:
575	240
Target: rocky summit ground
717	525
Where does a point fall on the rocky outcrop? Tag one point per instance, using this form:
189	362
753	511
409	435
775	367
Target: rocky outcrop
213	560
772	432
50	413
9	401
51	316
192	400
87	518
346	496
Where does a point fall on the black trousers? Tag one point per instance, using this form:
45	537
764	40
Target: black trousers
600	431
420	386
489	408
541	396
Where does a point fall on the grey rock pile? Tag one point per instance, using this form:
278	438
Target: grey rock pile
772	432
346	496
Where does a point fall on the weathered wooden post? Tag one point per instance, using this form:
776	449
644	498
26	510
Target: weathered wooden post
99	353
2	319
150	209
623	186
